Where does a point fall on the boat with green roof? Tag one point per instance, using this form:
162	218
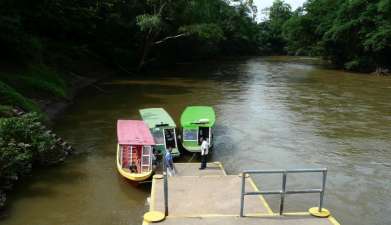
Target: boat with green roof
162	127
197	122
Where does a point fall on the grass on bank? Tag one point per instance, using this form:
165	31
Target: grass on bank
6	111
44	79
37	79
9	96
35	82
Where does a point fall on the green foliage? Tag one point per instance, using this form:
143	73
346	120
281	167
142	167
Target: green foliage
124	31
196	29
345	32
271	38
279	12
23	143
15	160
44	79
37	80
210	31
353	34
5	111
379	39
15	42
298	33
10	96
360	63
27	130
148	22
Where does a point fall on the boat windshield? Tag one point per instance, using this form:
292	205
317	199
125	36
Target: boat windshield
190	134
158	136
170	138
203	133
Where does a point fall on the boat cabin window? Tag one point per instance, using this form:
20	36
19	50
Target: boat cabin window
146	159
131	158
190	134
158	136
203	132
169	135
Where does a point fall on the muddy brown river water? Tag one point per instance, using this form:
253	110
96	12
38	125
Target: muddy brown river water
272	113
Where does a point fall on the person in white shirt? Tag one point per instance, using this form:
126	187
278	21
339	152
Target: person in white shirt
204	152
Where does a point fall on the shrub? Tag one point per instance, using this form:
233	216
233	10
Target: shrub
359	64
15	160
23	144
27	130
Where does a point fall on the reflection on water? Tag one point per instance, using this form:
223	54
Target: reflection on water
271	113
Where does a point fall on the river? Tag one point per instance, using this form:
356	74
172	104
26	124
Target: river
272	113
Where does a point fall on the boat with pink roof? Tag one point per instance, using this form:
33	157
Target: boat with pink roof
134	150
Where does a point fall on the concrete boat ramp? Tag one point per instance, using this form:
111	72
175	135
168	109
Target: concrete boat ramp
211	197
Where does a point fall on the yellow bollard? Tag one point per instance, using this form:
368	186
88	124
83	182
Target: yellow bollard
154	216
315	212
158	176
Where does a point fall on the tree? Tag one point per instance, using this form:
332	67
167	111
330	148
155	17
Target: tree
271	32
354	34
169	20
124	32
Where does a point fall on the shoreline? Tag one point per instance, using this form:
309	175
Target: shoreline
83	75
52	109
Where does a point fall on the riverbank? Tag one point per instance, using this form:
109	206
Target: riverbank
32	96
318	61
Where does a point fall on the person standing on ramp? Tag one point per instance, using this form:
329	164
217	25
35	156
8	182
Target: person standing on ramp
204	152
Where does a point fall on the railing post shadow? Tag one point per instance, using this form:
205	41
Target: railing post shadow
283	191
242	194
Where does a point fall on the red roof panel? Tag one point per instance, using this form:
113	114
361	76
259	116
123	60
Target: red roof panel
134	132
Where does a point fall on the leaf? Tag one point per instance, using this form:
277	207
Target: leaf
206	31
148	22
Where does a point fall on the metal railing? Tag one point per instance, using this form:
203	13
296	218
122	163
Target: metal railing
283	192
165	189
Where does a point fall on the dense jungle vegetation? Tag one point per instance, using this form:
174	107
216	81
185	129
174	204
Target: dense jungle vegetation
352	34
47	47
49	41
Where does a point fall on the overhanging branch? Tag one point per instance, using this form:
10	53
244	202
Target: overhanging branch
170	37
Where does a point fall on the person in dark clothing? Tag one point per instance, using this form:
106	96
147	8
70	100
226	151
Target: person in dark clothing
133	168
169	163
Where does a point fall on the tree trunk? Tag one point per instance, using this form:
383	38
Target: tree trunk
146	48
149	39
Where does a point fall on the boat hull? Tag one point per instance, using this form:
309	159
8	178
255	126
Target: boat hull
131	176
134	176
194	148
